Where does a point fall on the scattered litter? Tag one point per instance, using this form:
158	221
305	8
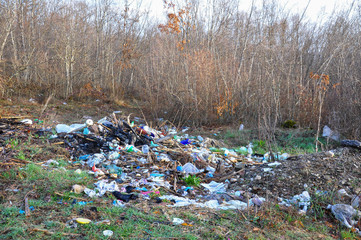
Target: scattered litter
78	188
12	190
102	187
342	193
302	200
257	201
108	233
189	168
118	203
329	154
50	162
345	214
274	164
27	121
327	132
95	159
355	202
63	128
105	221
124	197
215	187
83	220
177	221
31	208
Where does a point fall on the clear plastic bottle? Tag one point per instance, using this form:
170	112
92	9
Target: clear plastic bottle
145	149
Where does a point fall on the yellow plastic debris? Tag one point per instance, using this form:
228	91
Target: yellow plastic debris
83	220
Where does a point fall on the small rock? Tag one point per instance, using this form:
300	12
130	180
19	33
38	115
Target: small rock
258	177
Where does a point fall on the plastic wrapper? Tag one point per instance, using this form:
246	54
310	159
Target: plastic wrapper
345	214
189	168
215	187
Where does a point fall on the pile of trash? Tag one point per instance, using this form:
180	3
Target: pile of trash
133	161
129	159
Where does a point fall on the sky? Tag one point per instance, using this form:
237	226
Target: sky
325	7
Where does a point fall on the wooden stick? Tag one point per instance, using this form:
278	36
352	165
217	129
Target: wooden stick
46	104
19	160
51	233
27	209
78	198
15	117
10	164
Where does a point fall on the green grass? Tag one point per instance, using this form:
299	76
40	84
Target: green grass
133	222
292	141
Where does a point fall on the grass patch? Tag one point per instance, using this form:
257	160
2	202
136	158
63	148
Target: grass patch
292	141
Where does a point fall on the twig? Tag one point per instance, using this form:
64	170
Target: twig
51	233
15	117
19	160
78	198
46	104
27	209
10	164
228	175
140	109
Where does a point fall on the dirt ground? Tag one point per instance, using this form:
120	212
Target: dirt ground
310	171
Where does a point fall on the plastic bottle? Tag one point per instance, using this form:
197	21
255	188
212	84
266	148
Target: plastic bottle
250	151
131	148
145	149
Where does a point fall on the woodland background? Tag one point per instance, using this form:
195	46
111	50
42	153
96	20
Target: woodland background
202	66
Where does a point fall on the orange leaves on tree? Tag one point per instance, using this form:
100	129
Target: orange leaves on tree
323	80
225	104
177	21
128	54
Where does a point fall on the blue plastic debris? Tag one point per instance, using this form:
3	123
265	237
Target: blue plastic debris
84	157
185	141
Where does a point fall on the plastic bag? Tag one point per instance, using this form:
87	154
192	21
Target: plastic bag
189	168
215	187
95	159
345	214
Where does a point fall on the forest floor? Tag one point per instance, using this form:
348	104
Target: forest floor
37	202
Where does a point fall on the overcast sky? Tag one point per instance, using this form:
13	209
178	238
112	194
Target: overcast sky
315	7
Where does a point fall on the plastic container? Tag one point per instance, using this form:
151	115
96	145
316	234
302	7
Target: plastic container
145	149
